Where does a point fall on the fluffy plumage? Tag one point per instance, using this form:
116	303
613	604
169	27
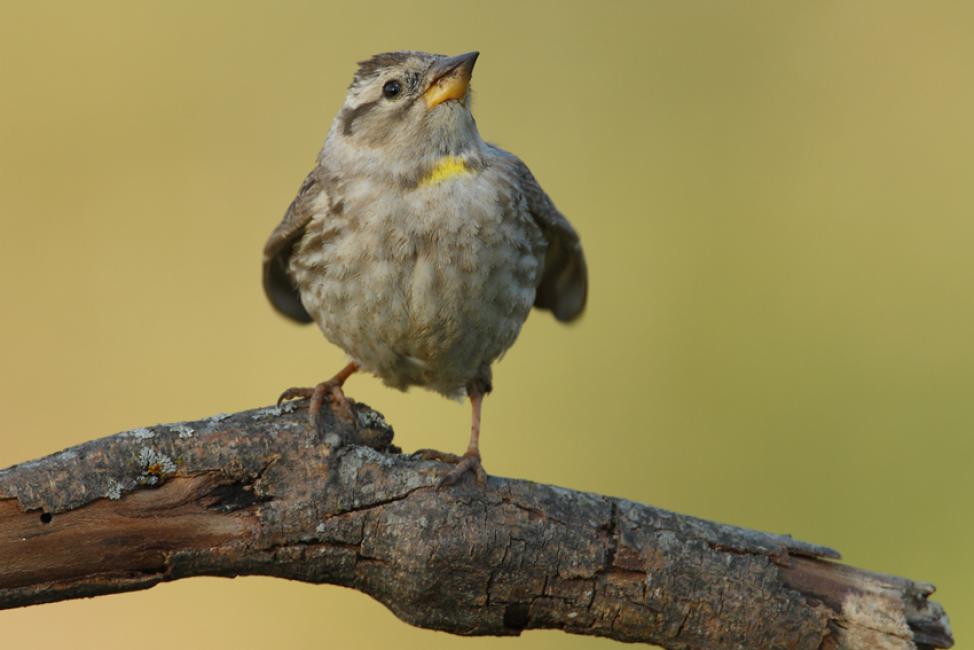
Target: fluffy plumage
415	246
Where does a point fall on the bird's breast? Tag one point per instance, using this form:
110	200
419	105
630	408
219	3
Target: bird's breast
424	286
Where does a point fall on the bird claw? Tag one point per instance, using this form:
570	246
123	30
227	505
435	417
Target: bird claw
294	392
333	388
469	462
436	455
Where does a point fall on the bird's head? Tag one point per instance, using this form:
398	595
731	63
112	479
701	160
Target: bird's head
405	112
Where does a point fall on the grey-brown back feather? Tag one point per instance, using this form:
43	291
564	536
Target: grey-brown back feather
564	281
282	293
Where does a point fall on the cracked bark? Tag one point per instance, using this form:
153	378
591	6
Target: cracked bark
257	493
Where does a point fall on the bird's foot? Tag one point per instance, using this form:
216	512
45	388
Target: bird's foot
469	462
333	388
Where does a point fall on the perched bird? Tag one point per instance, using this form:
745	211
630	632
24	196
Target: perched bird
417	247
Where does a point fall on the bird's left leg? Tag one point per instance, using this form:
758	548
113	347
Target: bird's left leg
470	460
332	387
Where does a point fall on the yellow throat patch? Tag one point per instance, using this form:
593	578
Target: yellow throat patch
446	168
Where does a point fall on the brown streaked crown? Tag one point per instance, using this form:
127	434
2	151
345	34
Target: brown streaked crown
373	65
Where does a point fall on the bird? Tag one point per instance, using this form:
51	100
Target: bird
418	248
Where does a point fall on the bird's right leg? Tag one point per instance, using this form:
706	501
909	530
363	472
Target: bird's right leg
470	460
332	387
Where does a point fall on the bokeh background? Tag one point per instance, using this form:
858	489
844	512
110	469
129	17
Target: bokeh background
776	201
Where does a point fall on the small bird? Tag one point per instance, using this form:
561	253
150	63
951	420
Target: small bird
415	246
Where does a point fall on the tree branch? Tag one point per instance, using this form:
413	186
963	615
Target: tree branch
257	493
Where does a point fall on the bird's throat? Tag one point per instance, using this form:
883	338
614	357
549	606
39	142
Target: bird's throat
445	168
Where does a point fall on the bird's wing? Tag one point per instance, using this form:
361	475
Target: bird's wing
564	281
282	293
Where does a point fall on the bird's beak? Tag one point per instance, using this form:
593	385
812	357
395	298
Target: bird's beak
450	78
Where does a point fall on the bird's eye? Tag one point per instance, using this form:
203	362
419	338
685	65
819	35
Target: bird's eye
391	88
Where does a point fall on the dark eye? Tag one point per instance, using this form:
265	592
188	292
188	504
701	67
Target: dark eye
391	88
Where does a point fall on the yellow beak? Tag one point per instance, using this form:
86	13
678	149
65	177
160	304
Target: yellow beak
451	78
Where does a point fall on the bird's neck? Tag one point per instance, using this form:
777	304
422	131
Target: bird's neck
375	165
446	168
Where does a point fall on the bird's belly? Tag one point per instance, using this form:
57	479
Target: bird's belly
420	302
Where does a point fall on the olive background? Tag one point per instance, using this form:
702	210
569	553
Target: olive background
776	203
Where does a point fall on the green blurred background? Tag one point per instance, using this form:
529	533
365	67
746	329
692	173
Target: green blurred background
776	201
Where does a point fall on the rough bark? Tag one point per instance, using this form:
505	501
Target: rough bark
258	493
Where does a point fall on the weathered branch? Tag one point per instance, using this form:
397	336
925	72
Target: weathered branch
257	493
